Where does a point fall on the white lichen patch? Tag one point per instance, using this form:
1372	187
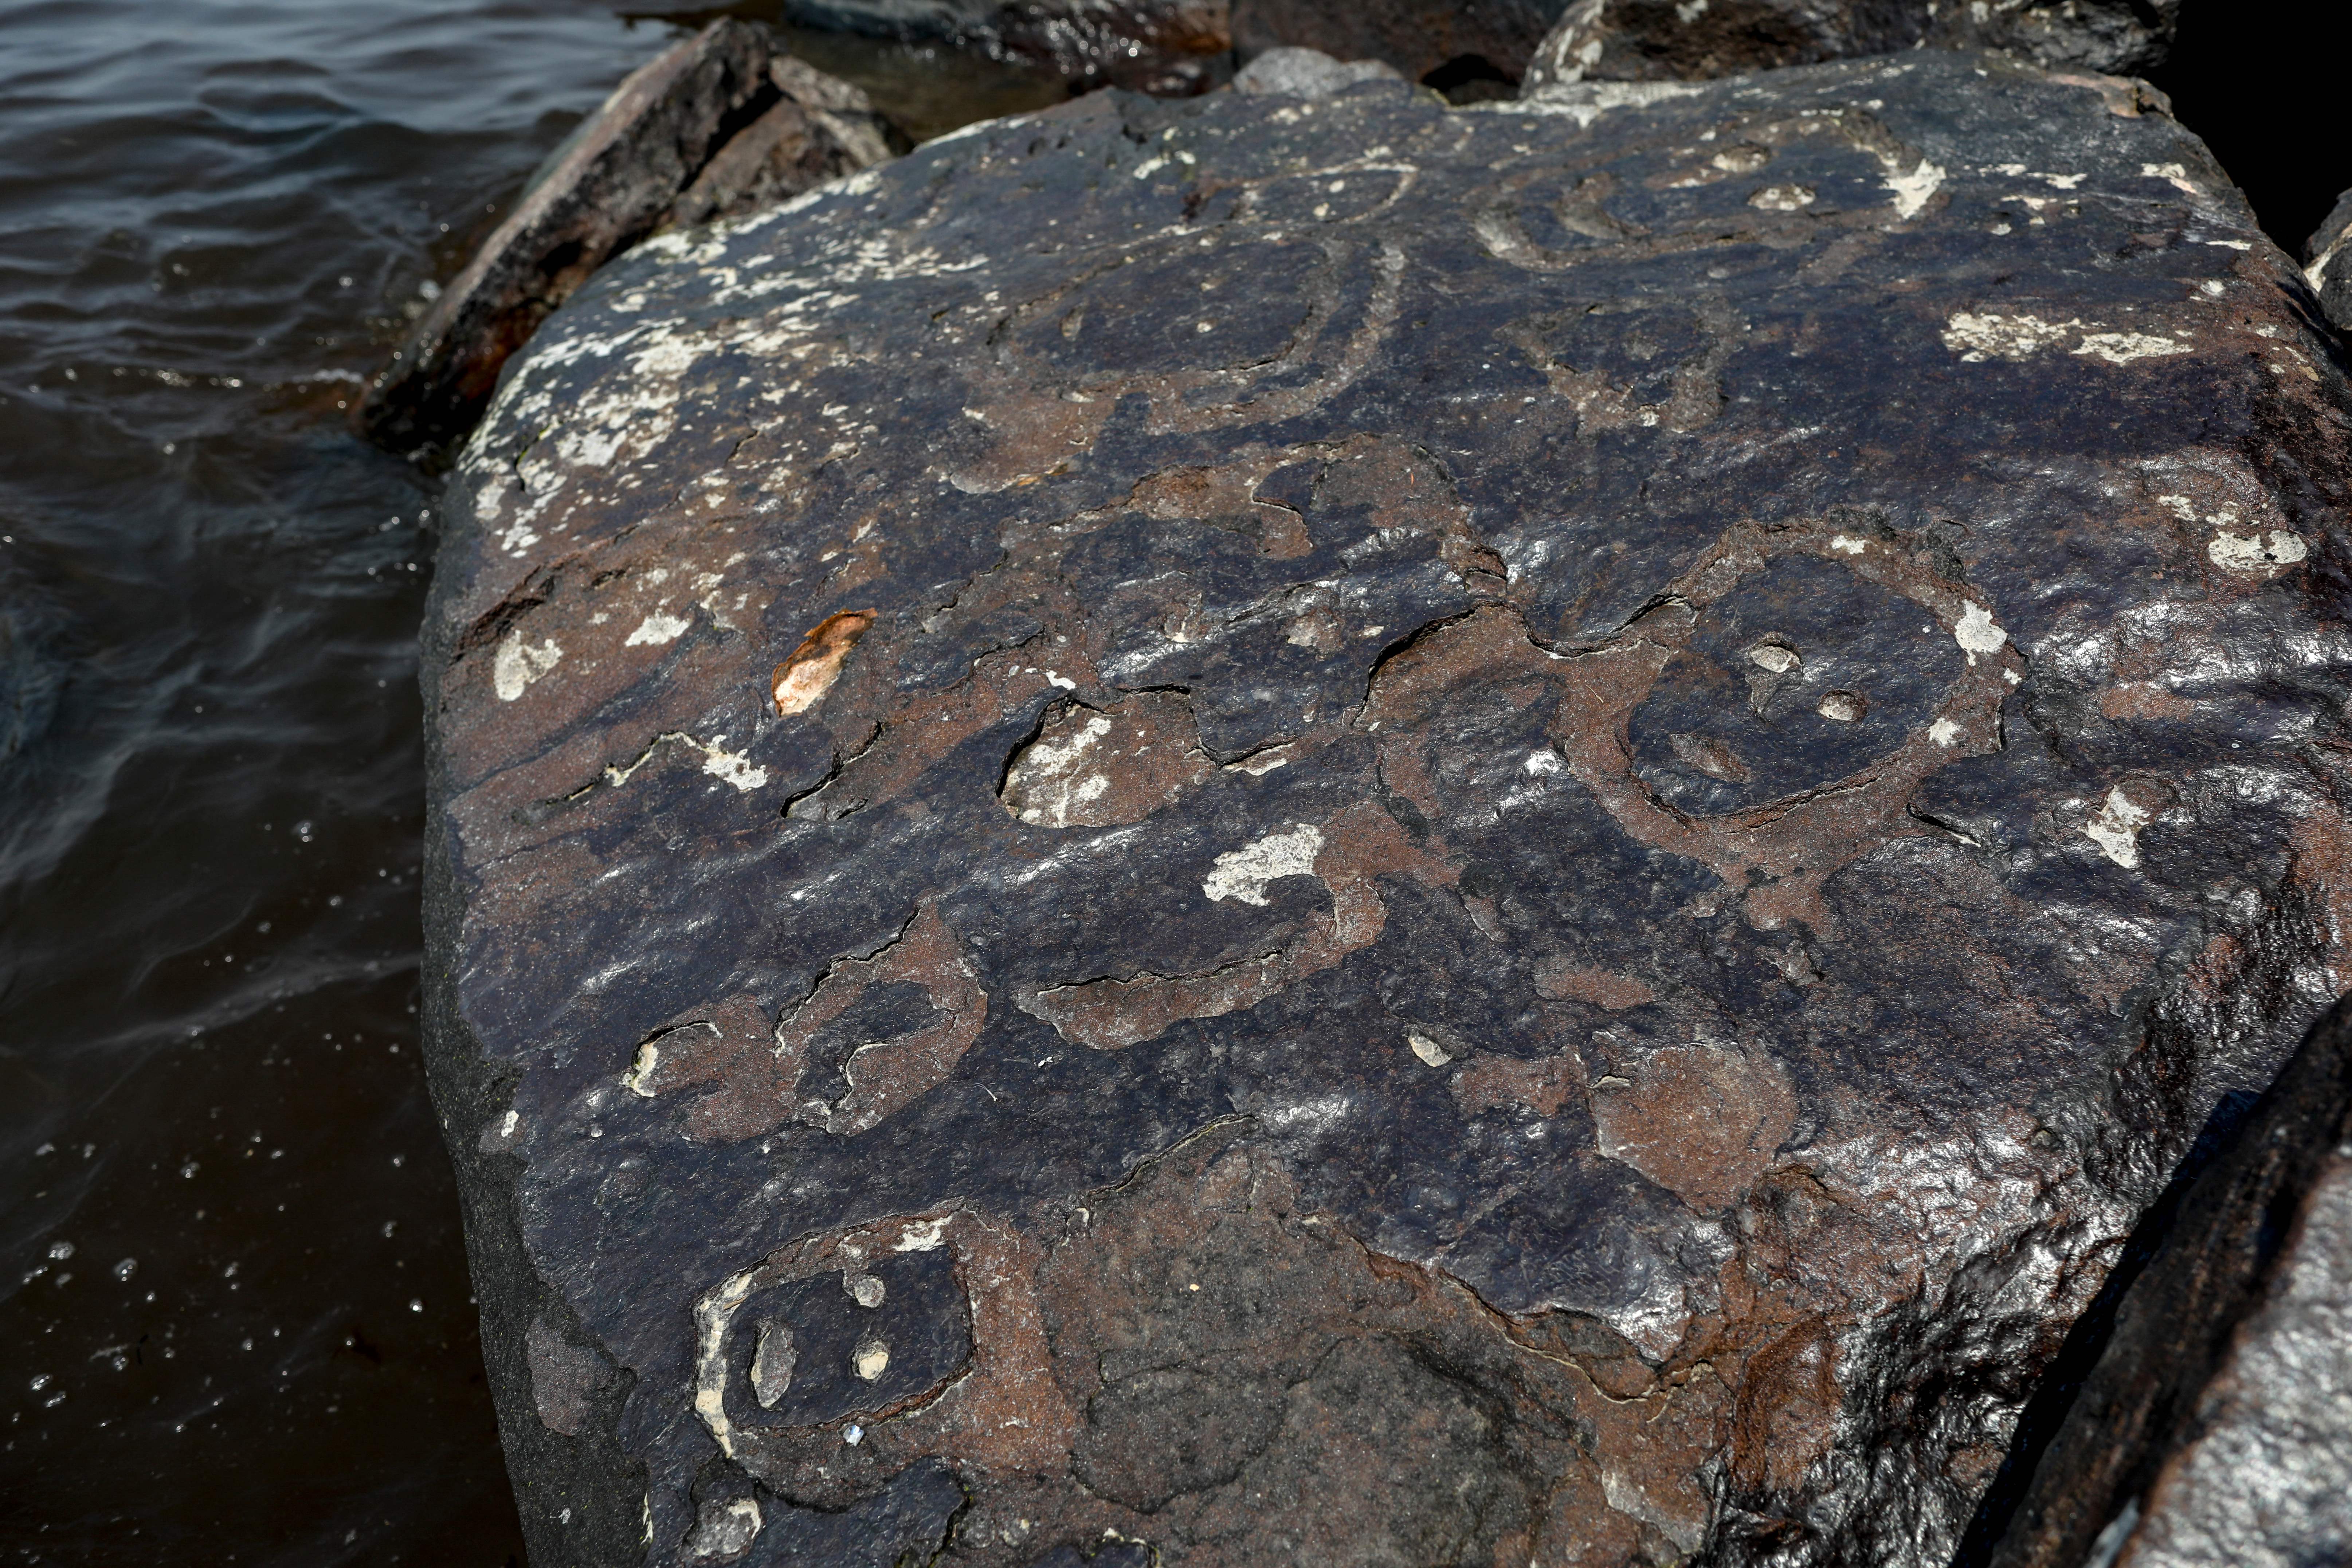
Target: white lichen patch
726	1529
1431	1053
518	664
729	767
1943	732
2122	348
2174	175
1244	873
2255	554
871	1359
865	1289
1913	190
2114	828
1587	101
1994	335
717	761
713	1316
658	628
1775	658
1782	199
923	1236
640	1075
1053	778
1847	544
1977	633
1541	763
2021	335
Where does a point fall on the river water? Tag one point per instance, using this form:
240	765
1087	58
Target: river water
235	1325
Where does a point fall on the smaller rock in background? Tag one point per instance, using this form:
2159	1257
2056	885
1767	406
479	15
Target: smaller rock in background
1308	73
819	129
2329	269
1468	49
2216	1428
715	126
1654	40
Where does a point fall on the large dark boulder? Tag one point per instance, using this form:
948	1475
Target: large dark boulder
1650	40
1275	829
2216	1429
716	126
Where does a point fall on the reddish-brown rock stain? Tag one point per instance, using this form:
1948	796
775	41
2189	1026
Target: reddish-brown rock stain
1702	1121
758	1071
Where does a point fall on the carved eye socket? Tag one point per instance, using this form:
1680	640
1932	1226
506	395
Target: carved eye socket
849	1341
1802	673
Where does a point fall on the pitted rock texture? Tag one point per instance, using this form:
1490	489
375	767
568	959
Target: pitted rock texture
1654	40
715	126
2217	1427
1173	48
1444	836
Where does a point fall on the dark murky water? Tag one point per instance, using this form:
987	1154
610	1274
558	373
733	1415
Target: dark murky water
234	1315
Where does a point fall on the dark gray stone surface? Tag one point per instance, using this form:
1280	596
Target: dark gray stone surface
2217	1427
1654	40
1464	836
716	125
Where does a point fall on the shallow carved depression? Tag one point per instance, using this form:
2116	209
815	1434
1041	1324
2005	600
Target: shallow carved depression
847	1340
1799	678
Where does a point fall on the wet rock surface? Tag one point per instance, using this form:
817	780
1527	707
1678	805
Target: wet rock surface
1654	40
716	126
1430	835
2217	1427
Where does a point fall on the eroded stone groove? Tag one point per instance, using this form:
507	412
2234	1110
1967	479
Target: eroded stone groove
1434	835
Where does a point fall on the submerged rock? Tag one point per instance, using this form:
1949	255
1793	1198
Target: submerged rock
1283	829
2217	1429
715	126
1655	40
